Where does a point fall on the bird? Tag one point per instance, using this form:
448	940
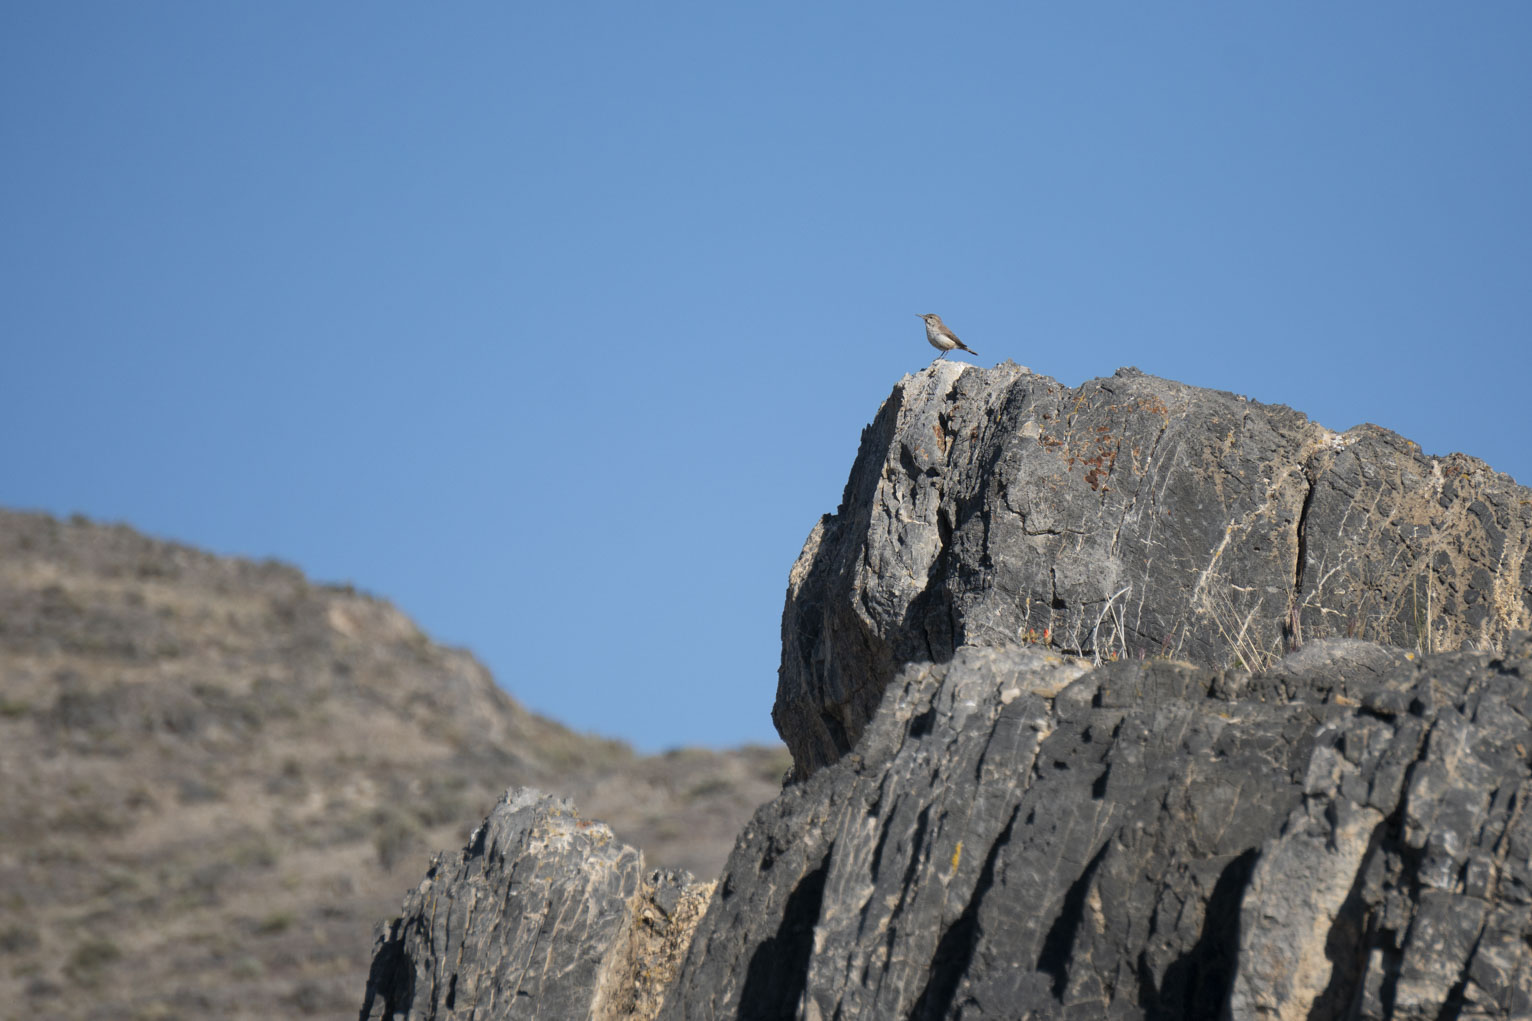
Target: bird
940	336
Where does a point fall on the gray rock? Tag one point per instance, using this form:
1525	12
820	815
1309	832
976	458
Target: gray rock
1126	701
542	915
1126	517
1145	842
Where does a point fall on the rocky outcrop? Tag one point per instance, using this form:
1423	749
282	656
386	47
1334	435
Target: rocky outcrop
1341	836
542	915
1131	516
1133	701
1020	834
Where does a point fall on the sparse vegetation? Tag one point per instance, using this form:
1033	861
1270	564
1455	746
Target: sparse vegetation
90	959
195	790
1238	634
116	882
276	922
90	819
396	837
710	787
17	939
256	852
247	967
218	816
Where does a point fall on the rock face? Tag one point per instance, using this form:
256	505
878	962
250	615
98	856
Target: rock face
1131	516
1341	836
1133	701
541	915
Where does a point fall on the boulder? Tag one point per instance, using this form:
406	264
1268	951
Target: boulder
1131	516
542	915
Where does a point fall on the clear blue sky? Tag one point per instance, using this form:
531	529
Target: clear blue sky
557	324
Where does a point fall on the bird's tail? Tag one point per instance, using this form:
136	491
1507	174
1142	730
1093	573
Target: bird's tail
970	350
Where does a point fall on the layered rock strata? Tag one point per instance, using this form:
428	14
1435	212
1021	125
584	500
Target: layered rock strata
1019	834
1343	836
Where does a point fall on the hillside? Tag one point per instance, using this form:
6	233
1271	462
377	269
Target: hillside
219	777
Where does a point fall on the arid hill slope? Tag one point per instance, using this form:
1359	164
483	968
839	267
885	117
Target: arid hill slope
218	777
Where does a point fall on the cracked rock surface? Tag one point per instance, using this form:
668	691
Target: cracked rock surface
542	915
1017	835
1132	516
1132	700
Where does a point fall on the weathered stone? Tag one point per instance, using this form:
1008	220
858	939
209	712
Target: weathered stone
1131	516
1143	844
542	915
1050	758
